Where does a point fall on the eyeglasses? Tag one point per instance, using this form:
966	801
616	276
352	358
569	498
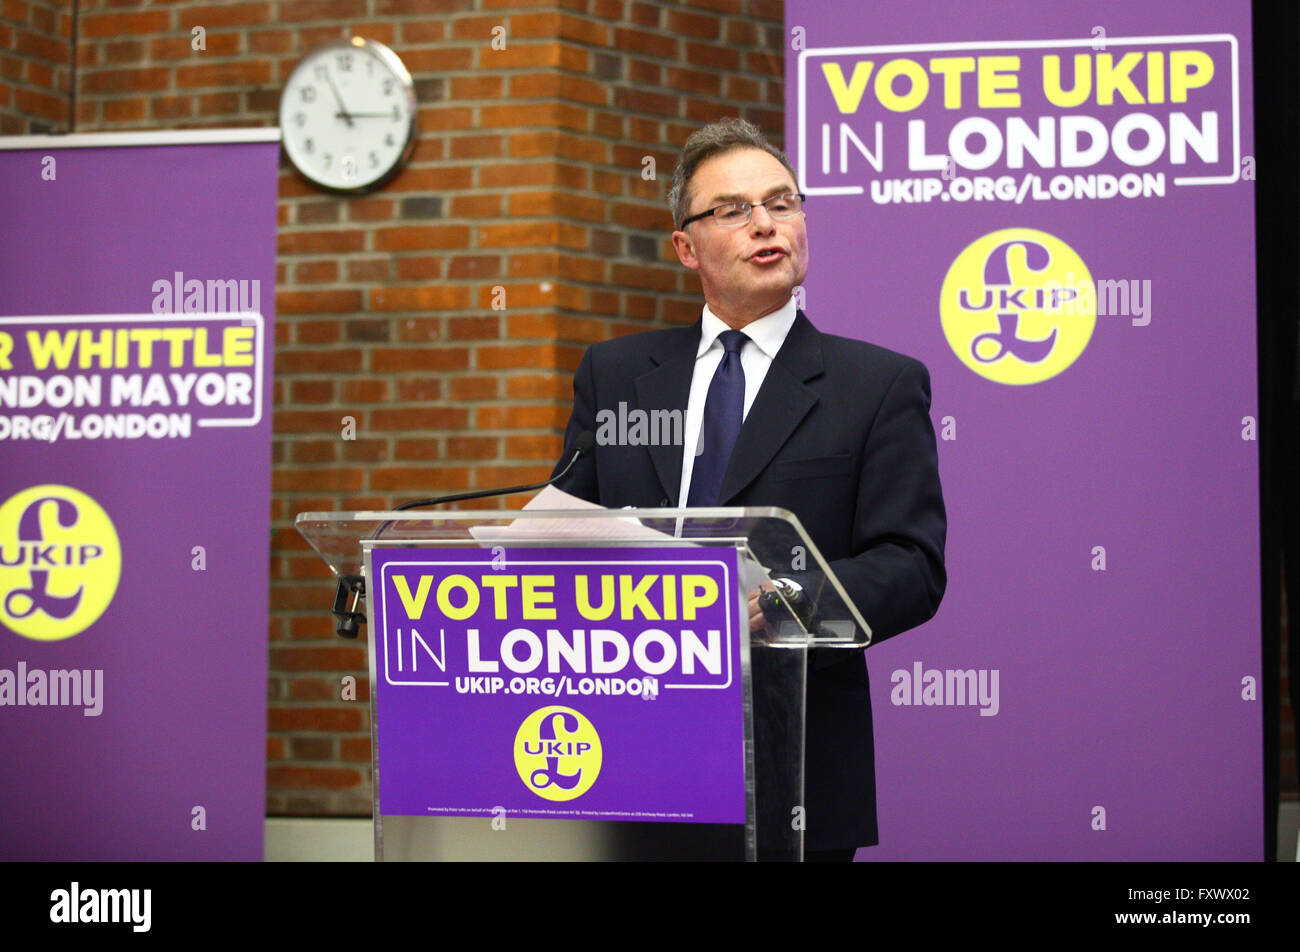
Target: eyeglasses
735	214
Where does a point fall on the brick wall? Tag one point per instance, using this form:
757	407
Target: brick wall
35	66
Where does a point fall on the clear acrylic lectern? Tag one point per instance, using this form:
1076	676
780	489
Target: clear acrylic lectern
801	606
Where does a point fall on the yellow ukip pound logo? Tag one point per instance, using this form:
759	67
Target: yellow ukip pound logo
557	753
60	562
1018	306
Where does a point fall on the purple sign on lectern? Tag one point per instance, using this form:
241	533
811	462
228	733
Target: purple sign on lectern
587	684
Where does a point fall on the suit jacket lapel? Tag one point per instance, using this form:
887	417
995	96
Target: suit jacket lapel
668	387
781	404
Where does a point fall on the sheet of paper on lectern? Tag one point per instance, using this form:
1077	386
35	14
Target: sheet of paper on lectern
574	527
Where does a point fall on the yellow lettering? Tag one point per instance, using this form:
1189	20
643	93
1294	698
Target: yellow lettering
952	68
116	347
848	96
414	605
145	338
237	346
698	591
998	80
536	600
202	356
631	597
1052	80
444	597
919	85
52	347
498	584
1188	69
176	338
1155	77
1112	79
583	595
95	345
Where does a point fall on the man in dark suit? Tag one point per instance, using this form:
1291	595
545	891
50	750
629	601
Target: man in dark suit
778	414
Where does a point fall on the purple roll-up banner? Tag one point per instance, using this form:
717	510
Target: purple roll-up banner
576	684
1052	206
137	293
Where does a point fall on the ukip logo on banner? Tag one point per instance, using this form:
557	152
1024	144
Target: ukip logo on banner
557	753
1018	306
60	562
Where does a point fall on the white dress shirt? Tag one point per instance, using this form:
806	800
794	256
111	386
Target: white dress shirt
766	335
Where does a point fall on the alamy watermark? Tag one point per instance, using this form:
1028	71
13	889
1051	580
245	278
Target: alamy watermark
76	904
36	687
1108	297
946	687
637	427
181	295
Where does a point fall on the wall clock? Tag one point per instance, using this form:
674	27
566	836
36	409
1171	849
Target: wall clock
347	116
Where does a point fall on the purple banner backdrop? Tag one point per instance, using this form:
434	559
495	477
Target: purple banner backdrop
1052	206
560	683
136	305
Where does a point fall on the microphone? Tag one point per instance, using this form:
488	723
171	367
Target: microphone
350	619
803	607
582	446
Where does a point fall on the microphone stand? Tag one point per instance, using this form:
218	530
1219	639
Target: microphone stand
353	587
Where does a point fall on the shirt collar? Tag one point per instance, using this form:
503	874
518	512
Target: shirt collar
768	332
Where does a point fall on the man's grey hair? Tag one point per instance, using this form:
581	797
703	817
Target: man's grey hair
717	138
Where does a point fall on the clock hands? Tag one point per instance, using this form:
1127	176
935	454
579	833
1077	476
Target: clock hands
363	115
343	110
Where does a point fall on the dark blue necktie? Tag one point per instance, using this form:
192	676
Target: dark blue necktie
724	411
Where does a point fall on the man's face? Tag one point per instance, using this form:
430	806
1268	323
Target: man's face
740	283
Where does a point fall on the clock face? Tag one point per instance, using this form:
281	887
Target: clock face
347	115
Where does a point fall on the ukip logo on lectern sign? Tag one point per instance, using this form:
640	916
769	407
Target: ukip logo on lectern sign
60	562
557	753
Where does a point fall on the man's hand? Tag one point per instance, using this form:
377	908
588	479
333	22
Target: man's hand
757	620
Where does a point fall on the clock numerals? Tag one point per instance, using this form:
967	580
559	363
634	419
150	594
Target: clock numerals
328	159
308	145
322	73
308	93
389	140
397	114
300	119
344	62
388	86
349	166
